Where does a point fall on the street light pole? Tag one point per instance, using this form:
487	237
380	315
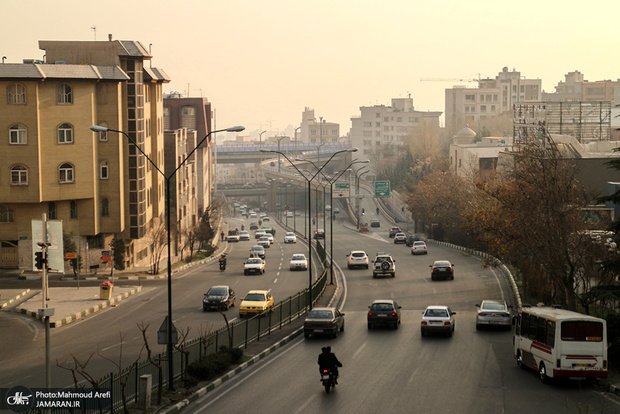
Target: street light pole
357	195
167	178
309	180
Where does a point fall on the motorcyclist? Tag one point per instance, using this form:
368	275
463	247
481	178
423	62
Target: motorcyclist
242	227
327	360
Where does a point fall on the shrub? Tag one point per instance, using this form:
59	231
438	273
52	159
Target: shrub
215	364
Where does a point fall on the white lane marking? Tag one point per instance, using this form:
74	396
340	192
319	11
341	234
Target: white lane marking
413	374
262	366
302	408
275	280
359	350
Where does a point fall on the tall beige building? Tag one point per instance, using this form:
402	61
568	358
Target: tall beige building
98	184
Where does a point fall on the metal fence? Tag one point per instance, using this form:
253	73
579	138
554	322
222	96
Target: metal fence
242	332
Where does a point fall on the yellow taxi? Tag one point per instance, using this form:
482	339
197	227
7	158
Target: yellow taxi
255	302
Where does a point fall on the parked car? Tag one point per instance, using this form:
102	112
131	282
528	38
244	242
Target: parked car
258	251
383	265
438	319
384	312
412	238
254	265
357	258
493	313
375	223
290	237
442	269
328	321
255	302
319	234
392	231
298	262
264	241
400	238
244	235
419	247
218	298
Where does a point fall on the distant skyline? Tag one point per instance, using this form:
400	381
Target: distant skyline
261	63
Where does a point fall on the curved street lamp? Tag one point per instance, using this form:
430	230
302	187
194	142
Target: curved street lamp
309	180
167	178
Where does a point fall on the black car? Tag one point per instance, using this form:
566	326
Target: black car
384	312
218	298
327	321
392	232
442	269
253	226
319	234
410	239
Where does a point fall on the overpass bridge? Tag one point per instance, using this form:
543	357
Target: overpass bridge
249	153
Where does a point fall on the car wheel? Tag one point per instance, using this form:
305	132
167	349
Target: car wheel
348	267
306	335
396	325
204	309
245	273
432	277
369	326
422	332
520	360
366	266
477	326
452	277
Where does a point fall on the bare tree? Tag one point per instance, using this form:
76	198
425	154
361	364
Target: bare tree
157	364
158	239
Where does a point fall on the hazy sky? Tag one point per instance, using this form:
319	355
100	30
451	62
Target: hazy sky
260	62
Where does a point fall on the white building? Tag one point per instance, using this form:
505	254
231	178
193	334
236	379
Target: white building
468	157
313	131
386	125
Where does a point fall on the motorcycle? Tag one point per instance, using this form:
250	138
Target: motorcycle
328	379
223	263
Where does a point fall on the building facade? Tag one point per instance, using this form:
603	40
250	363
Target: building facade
96	183
381	125
317	132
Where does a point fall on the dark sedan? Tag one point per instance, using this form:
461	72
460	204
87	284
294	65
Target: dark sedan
392	232
324	321
442	269
384	312
218	298
410	239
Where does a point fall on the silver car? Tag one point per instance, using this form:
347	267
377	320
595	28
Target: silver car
493	313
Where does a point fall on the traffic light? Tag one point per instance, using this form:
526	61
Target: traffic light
363	212
38	260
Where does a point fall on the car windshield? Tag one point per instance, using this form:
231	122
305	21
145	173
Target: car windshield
382	259
381	307
255	297
299	257
217	291
493	306
437	313
290	234
254	261
320	314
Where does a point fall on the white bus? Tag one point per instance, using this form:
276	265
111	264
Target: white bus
560	343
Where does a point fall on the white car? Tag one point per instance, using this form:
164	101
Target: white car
493	313
290	237
419	247
244	235
270	237
357	258
259	233
298	262
264	241
254	265
266	218
438	319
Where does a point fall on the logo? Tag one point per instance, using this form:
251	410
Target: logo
19	399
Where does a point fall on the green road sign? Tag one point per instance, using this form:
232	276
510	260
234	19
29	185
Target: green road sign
341	190
382	188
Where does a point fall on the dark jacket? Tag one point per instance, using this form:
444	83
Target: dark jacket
328	360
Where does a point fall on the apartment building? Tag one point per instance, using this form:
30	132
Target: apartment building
576	88
98	184
317	132
491	98
195	114
381	125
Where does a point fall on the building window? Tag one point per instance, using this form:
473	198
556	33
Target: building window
51	210
16	94
105	207
65	134
6	214
19	175
471	98
103	135
66	173
103	170
483	108
63	94
378	115
17	134
74	209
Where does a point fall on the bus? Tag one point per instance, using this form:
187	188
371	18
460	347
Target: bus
560	343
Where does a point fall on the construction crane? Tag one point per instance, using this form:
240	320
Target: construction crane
452	79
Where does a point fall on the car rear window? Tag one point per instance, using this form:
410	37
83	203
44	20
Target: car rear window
493	306
381	307
442	264
320	314
359	255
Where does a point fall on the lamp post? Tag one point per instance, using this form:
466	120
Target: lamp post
295	135
309	180
279	139
357	194
260	144
167	178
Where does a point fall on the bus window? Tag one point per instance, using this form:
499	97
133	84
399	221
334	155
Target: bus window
582	331
550	334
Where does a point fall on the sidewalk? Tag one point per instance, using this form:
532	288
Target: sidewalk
70	304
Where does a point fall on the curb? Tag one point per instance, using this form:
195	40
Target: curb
80	315
13	299
203	391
